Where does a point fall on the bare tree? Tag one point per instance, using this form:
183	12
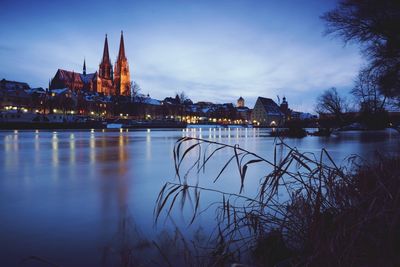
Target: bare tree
181	97
366	92
135	89
375	25
331	102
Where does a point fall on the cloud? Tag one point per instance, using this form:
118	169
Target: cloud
208	66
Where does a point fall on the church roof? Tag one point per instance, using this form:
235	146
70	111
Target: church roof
88	77
67	75
270	106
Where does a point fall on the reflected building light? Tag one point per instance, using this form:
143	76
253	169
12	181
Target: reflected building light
72	149
120	130
148	145
92	152
37	143
92	130
7	146
37	149
54	146
121	149
15	131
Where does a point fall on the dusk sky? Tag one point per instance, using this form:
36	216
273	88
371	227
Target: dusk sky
212	50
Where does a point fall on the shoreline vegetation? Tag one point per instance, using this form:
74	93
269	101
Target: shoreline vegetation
332	215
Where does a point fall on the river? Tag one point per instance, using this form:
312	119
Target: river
63	193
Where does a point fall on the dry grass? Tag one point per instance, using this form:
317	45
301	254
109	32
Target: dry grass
333	216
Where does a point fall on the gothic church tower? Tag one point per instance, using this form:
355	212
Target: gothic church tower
105	83
122	77
105	67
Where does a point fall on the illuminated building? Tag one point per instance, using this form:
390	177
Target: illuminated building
103	81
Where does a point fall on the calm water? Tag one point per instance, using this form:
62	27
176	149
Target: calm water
63	194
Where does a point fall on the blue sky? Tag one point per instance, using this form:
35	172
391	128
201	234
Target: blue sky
212	50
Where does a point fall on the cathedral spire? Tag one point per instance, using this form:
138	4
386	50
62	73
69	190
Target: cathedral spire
122	77
106	55
121	53
105	65
84	67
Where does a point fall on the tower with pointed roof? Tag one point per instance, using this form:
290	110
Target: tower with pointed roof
105	67
122	77
105	83
84	67
240	102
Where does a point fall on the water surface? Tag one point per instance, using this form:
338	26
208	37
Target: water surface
63	194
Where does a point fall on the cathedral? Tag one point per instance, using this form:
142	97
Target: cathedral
105	81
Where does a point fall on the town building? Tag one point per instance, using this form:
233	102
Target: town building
104	81
240	102
267	113
13	94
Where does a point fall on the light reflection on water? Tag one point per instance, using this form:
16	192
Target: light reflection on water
63	193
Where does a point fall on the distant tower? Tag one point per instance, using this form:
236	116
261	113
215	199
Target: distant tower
122	77
84	67
284	105
105	67
240	102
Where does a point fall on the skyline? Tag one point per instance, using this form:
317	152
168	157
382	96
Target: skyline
211	51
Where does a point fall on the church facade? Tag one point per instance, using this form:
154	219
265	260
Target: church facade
106	80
